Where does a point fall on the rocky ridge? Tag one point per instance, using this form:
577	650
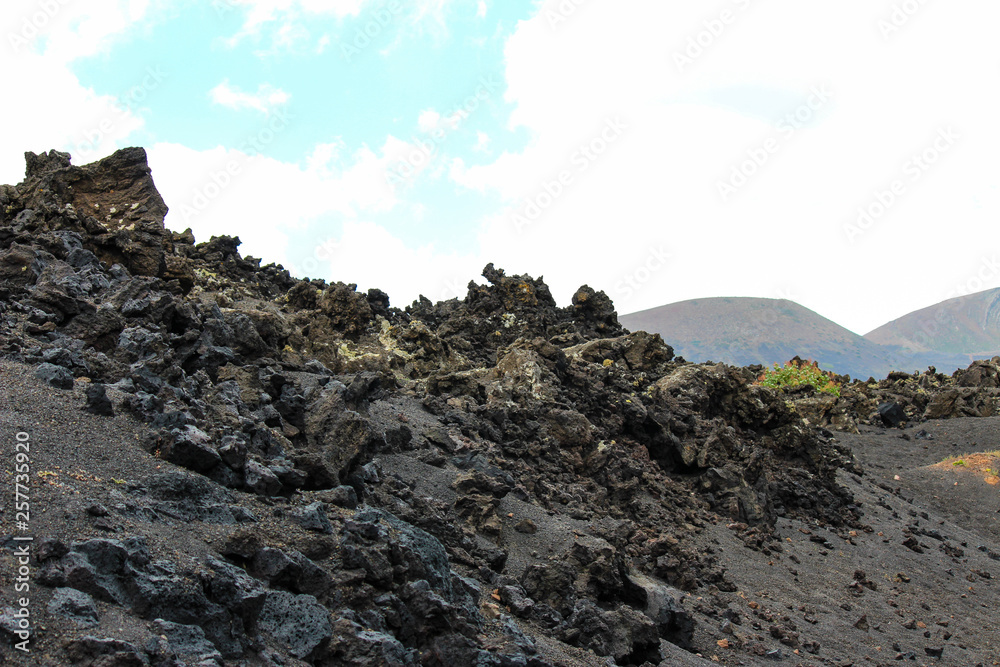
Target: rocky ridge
492	481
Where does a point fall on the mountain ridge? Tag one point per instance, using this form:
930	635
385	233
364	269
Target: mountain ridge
233	467
756	330
968	324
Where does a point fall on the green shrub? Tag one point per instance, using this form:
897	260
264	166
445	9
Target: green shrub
796	373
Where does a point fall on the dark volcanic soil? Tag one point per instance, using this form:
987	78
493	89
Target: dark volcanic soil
230	466
908	461
928	551
809	593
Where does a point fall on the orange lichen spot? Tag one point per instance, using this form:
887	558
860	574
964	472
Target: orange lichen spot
985	465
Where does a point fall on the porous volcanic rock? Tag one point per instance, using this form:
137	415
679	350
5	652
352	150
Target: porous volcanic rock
321	478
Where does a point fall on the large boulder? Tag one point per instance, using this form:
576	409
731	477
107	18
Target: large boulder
342	438
114	199
298	623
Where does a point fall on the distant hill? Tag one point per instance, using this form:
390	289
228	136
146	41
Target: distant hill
750	330
968	325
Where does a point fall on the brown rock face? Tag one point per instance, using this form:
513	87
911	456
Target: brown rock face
114	199
121	181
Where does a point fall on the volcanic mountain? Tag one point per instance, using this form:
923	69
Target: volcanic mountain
965	325
747	330
214	463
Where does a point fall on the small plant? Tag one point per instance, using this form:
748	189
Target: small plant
984	463
796	373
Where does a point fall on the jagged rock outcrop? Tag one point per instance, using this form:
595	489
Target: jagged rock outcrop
405	456
903	398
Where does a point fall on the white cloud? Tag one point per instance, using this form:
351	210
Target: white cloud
279	19
371	256
53	109
267	202
431	16
482	142
285	24
428	120
96	126
319	211
262	12
315	218
323	155
654	189
65	31
265	100
657	184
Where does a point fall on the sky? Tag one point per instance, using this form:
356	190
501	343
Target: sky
842	155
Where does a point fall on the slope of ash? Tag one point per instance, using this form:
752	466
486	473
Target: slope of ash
244	468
